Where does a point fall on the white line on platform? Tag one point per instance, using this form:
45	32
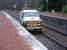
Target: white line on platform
31	40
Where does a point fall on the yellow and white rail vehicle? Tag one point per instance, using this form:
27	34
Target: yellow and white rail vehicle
31	19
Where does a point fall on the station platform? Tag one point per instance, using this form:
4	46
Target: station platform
13	36
9	37
54	14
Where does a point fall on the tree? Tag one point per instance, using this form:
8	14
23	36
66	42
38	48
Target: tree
43	5
55	5
51	5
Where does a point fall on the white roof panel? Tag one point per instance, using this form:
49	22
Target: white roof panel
29	11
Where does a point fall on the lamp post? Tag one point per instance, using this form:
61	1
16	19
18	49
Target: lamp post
14	4
62	7
47	4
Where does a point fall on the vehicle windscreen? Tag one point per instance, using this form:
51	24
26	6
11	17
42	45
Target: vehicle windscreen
31	14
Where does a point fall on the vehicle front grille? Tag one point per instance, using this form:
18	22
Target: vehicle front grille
33	23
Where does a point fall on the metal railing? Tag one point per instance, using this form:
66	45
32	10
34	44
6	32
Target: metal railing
56	23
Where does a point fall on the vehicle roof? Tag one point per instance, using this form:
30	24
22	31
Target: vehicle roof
29	11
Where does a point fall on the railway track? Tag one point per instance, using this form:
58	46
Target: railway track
54	32
45	40
55	36
50	44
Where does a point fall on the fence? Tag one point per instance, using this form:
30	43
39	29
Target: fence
56	23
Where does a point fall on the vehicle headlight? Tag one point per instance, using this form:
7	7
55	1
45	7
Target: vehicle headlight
38	23
27	22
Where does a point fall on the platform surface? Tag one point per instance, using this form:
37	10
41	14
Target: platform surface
9	37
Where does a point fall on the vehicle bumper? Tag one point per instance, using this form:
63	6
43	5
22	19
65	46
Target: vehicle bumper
32	28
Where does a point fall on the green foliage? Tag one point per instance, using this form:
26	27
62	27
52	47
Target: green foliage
43	5
65	9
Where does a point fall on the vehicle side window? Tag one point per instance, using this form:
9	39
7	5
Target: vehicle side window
22	15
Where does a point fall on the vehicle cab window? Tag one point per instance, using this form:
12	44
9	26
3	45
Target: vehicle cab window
22	15
31	14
